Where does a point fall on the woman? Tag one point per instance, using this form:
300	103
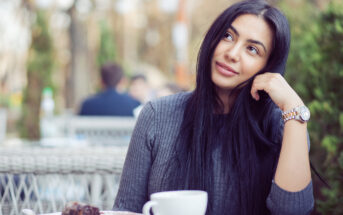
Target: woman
237	135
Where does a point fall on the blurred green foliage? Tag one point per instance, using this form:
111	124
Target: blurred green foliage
4	100
315	70
107	48
39	71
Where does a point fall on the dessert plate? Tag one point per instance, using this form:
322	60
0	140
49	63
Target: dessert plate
102	213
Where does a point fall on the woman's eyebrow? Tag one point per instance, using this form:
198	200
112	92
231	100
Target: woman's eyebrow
258	43
234	30
250	40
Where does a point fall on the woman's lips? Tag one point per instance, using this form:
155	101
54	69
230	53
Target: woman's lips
225	70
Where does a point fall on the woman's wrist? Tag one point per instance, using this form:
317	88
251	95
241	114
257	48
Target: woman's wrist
292	104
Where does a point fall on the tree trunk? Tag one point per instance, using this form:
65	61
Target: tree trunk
31	115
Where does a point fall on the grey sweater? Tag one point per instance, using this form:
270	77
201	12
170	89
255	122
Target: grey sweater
151	147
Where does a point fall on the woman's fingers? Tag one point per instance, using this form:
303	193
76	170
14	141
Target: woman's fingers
277	88
261	82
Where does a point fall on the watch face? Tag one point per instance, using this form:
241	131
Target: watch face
304	113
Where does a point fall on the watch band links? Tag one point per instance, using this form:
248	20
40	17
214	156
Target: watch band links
290	114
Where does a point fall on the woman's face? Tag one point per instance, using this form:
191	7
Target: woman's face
243	51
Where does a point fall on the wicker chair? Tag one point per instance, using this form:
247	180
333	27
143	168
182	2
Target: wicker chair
96	130
45	179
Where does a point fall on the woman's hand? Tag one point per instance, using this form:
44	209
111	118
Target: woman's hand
278	89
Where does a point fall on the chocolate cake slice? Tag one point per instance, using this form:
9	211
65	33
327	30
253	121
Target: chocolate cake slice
76	208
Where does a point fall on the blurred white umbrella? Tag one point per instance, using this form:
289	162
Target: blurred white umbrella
168	6
60	4
125	6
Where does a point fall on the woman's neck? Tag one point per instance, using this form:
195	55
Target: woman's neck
228	98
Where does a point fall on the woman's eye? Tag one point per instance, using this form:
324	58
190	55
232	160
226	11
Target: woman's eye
253	50
228	36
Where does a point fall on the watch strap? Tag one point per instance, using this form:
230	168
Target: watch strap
294	114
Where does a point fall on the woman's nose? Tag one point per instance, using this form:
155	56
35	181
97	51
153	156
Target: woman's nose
233	53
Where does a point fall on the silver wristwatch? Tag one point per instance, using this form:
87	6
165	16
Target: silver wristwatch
301	113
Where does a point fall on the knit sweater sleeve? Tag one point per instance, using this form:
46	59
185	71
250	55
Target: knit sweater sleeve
132	193
282	202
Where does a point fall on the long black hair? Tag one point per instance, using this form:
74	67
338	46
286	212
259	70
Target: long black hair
252	134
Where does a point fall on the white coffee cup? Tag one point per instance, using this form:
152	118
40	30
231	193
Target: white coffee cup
181	202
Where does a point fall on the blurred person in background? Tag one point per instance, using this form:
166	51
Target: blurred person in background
169	89
109	102
165	90
140	89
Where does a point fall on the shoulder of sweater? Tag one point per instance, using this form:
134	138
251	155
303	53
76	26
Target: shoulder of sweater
173	102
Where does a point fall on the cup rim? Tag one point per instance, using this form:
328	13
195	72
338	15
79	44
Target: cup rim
169	193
